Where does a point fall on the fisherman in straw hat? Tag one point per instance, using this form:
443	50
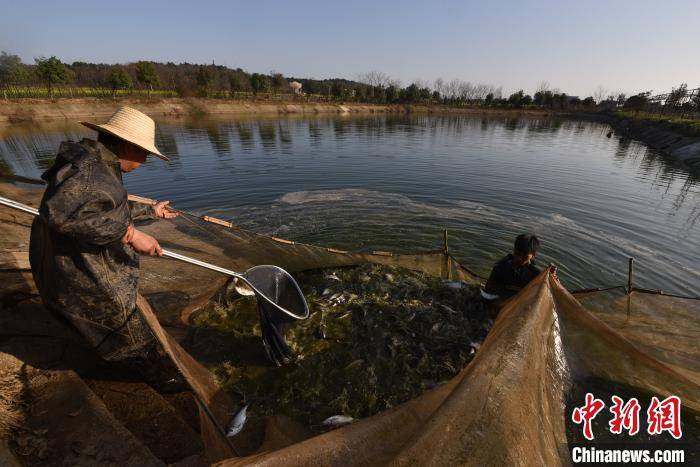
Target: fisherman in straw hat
84	249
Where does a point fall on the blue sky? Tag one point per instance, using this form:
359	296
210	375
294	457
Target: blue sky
627	46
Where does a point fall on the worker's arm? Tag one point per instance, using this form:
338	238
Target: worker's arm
141	211
88	206
494	285
144	211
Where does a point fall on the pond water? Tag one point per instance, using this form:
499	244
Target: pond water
394	183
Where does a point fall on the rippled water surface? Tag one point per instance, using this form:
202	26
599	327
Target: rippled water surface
395	183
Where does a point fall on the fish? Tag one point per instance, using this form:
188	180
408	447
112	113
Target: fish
354	364
337	420
237	422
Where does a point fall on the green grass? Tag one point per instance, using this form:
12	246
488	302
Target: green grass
687	126
40	92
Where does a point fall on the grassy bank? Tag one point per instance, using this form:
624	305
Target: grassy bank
686	126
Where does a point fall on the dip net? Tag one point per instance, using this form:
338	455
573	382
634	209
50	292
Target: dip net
511	404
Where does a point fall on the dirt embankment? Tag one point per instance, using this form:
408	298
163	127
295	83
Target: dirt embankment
37	110
46	110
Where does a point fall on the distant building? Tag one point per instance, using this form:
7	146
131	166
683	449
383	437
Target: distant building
572	99
295	86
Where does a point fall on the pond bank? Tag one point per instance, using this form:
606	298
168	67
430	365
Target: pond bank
37	110
19	111
658	134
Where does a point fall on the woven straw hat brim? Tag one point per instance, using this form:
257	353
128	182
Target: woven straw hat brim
121	133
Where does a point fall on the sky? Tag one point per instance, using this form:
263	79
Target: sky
575	46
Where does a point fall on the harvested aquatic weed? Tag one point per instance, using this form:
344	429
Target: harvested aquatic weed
377	337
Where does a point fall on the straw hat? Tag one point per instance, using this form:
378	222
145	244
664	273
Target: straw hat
132	126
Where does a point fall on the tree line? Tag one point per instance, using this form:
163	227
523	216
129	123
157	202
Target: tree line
17	79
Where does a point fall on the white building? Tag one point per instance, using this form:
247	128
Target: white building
295	86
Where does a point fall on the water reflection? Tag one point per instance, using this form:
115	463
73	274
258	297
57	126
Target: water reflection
219	138
245	136
394	182
268	135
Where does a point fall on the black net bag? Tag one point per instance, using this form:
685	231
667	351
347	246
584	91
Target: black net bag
280	302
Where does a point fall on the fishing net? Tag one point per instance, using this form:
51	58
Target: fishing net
512	404
280	302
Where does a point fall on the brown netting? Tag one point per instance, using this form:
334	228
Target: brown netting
666	327
240	249
510	405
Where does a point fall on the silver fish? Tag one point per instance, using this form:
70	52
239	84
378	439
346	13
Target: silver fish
338	420
238	421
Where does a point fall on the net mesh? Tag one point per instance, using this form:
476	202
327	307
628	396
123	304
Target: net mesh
510	405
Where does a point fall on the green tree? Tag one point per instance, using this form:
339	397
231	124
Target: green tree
392	93
260	83
588	102
279	84
146	75
424	94
516	99
637	102
489	99
12	70
676	95
544	98
696	101
119	79
410	93
337	90
560	100
52	72
238	82
206	80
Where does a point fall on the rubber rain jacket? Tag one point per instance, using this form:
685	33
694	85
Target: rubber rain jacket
81	267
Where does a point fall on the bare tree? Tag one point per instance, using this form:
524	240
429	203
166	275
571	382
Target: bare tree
453	88
421	83
374	78
439	86
542	86
466	90
599	94
394	82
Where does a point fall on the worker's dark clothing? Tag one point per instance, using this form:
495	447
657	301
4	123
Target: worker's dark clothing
505	279
81	267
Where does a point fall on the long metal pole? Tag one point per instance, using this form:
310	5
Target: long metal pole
30	210
171	254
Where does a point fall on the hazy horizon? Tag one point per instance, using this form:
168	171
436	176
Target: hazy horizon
623	46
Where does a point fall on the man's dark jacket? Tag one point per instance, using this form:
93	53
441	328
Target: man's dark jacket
506	279
81	267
